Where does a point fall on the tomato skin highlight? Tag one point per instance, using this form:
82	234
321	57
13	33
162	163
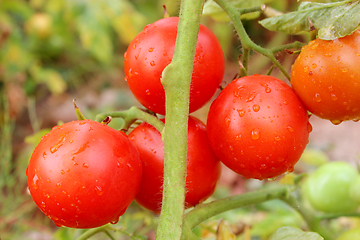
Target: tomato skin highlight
152	50
326	77
258	127
84	174
203	167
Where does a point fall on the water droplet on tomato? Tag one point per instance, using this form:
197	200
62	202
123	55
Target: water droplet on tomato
277	138
151	49
231	148
134	46
35	181
314	46
344	69
268	90
62	172
251	97
115	221
44	155
256	108
81	149
99	191
306	69
328	54
152	63
59	185
317	97
227	121
43	205
352	75
85	165
336	122
290	129
130	167
238	137
241	112
255	134
48	180
138	53
237	92
309	127
263	166
314	65
290	169
333	97
147	91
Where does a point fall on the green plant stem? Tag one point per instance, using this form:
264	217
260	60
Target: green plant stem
234	15
203	212
91	232
130	116
313	220
176	81
293	45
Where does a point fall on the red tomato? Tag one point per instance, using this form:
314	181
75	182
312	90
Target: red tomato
203	167
258	127
326	77
84	174
152	50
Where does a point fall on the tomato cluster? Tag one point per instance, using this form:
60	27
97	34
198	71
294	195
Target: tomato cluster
84	174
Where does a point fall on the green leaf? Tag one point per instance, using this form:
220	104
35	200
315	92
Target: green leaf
211	8
332	20
290	233
94	32
35	138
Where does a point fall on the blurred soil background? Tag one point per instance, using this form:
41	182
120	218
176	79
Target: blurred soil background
54	51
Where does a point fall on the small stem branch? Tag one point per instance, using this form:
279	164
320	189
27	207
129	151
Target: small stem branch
247	43
131	115
203	212
294	45
251	10
176	81
313	220
91	232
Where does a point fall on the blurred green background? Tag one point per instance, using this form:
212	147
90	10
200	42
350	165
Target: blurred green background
54	51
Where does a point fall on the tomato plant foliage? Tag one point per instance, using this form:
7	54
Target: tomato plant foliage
84	174
258	127
152	50
203	167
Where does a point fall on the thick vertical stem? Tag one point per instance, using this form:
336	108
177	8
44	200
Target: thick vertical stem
176	81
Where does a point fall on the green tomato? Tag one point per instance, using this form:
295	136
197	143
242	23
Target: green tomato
327	189
355	190
352	234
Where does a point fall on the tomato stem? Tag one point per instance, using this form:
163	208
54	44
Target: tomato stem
235	17
176	79
130	116
313	220
78	113
203	212
91	232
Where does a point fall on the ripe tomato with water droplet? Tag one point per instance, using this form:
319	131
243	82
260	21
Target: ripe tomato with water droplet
273	134
157	42
332	89
95	190
203	167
